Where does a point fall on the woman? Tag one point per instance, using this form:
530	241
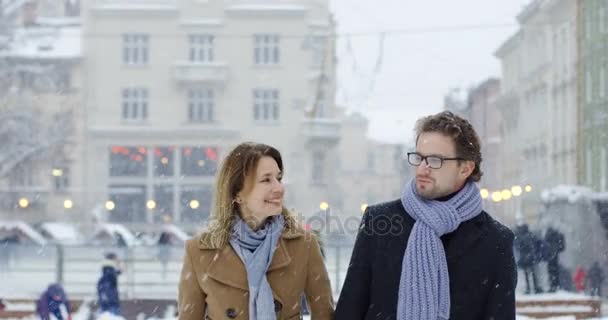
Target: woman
254	261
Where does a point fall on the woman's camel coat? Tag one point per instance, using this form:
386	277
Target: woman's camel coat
213	281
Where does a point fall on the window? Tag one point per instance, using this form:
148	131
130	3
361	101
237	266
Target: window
201	48
266	104
371	161
195	202
604	172
21	175
320	102
318	167
128	161
129	203
588	86
134	104
163	196
319	47
602	20
266	49
135	49
588	166
199	161
602	84
61	178
588	16
163	161
200	105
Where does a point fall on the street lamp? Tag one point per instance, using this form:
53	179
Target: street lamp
496	196
151	204
194	204
516	190
110	205
324	205
484	193
57	172
506	194
363	207
528	188
68	204
24	203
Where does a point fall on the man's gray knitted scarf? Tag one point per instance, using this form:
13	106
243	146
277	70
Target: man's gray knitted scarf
424	289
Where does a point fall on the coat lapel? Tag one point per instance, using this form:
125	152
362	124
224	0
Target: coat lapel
465	236
226	267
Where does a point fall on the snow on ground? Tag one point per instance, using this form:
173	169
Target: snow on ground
560	295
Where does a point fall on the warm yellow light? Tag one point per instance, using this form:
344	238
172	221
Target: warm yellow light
363	207
151	204
484	193
324	205
506	194
516	190
68	204
166	218
24	203
194	204
164	160
110	205
496	196
528	188
57	172
201	163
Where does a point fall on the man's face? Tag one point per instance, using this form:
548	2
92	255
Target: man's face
437	183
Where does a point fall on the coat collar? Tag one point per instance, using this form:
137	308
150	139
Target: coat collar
461	239
465	236
226	266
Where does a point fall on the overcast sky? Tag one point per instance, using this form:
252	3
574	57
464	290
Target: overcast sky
418	66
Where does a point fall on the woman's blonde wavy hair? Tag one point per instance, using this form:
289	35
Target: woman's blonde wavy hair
238	167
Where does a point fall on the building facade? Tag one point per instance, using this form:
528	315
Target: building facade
538	82
593	93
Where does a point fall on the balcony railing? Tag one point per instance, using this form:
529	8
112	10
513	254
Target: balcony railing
201	72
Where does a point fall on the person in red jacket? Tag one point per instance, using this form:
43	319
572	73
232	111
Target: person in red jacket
580	279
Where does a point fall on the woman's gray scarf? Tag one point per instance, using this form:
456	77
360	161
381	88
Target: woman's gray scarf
256	248
424	289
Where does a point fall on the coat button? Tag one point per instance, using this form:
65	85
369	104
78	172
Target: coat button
277	306
231	313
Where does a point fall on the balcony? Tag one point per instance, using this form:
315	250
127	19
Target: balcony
326	131
268	7
135	5
192	72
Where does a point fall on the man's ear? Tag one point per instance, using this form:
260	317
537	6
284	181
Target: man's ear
467	168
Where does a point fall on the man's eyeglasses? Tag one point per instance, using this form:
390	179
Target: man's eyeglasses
434	162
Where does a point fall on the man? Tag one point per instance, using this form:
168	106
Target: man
434	253
530	249
107	286
555	243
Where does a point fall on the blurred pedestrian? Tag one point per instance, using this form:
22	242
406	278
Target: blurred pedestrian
580	279
596	279
54	304
107	286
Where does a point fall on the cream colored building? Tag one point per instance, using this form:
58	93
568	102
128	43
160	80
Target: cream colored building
171	91
159	101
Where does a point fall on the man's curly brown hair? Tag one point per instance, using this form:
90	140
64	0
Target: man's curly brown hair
462	133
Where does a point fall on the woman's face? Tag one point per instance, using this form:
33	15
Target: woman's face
262	195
